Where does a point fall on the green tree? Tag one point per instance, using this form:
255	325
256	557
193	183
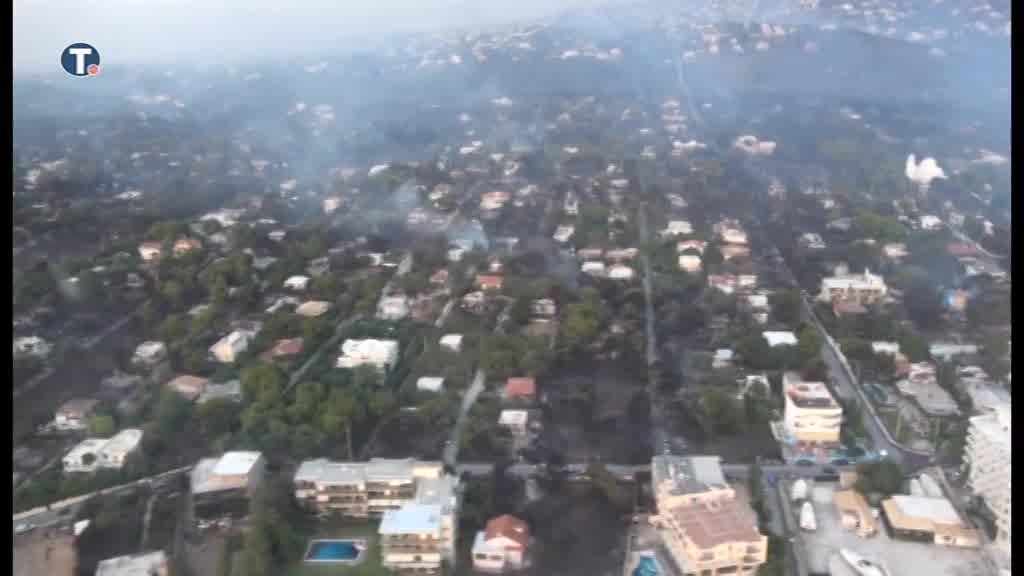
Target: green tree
809	341
101	425
913	346
786	306
883	477
262	383
217	417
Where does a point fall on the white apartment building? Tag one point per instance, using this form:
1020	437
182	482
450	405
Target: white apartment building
988	457
863	288
92	454
150	353
381	354
704	527
361	489
147	563
677	228
420	536
811	414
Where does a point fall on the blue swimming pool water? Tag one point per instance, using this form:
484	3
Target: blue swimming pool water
646	567
328	550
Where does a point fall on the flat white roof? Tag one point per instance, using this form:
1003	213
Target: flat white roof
412	519
144	564
937	510
236	463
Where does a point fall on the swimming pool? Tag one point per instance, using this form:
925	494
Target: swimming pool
646	566
348	551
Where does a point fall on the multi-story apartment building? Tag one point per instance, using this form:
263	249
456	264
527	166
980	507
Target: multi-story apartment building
223	487
705	527
381	354
811	415
866	288
988	457
361	489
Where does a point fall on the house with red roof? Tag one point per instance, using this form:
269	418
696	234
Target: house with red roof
520	389
502	545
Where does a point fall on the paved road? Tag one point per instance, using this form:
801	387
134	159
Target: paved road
47	515
659	438
451	451
795	548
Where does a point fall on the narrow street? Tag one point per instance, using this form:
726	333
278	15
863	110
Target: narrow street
451	451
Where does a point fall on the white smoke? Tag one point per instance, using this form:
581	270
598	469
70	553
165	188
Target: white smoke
924	172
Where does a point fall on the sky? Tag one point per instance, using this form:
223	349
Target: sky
133	31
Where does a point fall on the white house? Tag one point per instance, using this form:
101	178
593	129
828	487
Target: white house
94	453
452	342
677	228
227	349
861	288
698	245
150	251
393	308
563	233
501	546
382	354
514	420
31	346
298	283
430	384
690	263
620	272
72	415
149	353
593	268
723	358
784	338
930	222
731	232
812	241
890	348
146	563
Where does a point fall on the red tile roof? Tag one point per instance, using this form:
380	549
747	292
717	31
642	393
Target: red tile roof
286	347
487	281
516	387
510	527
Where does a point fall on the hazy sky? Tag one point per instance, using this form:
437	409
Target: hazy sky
219	30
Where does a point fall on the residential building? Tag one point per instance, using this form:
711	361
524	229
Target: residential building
520	389
705	527
698	245
622	254
946	351
723	358
930	222
361	489
150	353
922	385
331	203
854	512
151	251
452	342
779	338
230	390
297	283
414	539
812	241
811	415
92	454
474	302
284	348
690	263
890	348
590	253
515	421
31	346
185	245
313	308
544	307
430	384
677	228
594	268
277	235
988	458
227	349
895	251
956	300
730	232
191	387
927	519
393	308
381	354
488	282
223	487
564	233
864	288
619	272
439	278
961	249
72	415
730	251
502	545
144	564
